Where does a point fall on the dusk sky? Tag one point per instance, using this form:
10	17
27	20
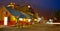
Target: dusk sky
38	3
42	5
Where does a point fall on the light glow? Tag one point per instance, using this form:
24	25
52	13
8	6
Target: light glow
21	19
39	19
52	23
29	20
35	19
5	20
50	19
28	6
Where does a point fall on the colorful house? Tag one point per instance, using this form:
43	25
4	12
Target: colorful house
13	14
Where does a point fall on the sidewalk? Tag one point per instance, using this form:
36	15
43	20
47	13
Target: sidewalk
1	26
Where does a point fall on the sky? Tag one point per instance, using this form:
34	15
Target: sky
38	3
46	6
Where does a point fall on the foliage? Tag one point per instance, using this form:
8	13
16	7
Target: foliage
57	14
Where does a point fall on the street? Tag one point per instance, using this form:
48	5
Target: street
34	27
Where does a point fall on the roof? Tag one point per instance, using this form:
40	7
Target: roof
15	12
18	13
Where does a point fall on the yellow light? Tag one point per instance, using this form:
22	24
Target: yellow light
13	18
35	19
24	19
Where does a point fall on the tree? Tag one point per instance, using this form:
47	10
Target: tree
57	14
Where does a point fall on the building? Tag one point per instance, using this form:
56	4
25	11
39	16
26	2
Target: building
14	14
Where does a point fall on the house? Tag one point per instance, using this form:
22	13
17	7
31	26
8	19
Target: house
14	14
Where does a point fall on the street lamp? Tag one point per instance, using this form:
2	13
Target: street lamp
29	6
